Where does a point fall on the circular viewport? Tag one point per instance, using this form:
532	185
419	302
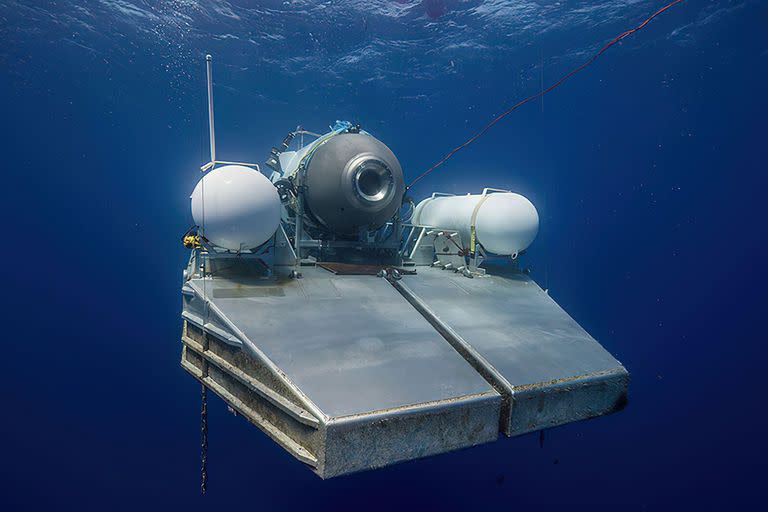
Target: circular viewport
373	180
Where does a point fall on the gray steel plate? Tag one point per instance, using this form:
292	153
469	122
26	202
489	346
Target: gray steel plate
352	344
512	324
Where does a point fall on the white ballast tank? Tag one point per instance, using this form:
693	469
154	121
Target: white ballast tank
236	207
505	223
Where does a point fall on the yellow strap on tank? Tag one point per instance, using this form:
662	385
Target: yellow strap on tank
472	231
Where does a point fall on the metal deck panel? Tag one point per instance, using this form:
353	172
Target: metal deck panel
352	344
522	341
513	323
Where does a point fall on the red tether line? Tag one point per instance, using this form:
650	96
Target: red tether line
543	92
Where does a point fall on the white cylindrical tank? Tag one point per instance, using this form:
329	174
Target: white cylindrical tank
505	223
237	207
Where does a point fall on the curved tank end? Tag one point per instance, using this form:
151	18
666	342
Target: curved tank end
507	223
237	207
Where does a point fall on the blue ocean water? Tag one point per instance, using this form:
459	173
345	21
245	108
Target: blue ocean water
648	170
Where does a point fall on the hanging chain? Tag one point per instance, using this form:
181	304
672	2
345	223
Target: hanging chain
203	438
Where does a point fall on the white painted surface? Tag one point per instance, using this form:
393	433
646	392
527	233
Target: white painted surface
237	207
506	223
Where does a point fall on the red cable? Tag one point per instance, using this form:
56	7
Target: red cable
543	92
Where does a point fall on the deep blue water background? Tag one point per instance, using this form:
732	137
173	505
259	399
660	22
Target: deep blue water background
648	170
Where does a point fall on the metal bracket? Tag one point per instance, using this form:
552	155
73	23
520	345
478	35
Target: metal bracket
210	165
441	194
489	190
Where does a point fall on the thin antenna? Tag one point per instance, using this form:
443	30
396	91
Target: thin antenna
211	129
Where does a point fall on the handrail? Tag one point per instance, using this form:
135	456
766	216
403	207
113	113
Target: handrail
210	165
487	190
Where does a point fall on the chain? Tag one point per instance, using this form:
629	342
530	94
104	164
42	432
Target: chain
203	438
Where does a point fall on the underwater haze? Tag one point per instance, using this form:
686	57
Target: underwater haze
648	170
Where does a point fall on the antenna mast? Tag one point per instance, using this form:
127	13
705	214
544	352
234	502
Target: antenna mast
211	129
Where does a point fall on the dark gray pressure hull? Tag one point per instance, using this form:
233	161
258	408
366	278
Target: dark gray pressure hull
354	181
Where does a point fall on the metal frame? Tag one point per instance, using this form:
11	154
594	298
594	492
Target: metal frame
595	386
333	440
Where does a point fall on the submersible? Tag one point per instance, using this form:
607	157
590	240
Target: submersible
357	329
